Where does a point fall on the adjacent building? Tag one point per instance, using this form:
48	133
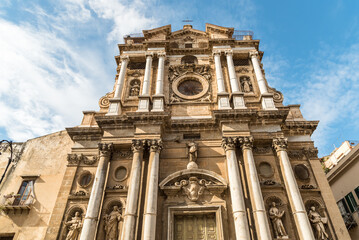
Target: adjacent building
191	143
344	181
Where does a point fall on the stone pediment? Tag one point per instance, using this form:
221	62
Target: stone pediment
193	182
217	31
160	33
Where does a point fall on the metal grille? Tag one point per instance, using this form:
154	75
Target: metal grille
240	34
241	62
137	65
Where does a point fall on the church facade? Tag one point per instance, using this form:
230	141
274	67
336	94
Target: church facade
192	143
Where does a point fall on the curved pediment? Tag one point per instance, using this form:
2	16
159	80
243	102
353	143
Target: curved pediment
193	182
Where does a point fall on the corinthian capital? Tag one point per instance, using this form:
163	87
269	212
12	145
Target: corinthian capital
253	54
229	143
216	52
229	52
161	54
149	54
125	58
105	148
137	145
280	144
155	145
246	142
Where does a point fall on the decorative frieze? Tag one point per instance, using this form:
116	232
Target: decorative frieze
74	159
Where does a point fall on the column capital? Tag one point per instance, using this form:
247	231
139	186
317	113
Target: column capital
155	145
137	145
246	142
229	52
253	54
125	58
161	54
149	54
105	149
216	53
229	143
280	144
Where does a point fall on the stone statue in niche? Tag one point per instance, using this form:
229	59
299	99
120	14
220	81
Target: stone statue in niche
135	88
276	216
193	187
192	149
318	222
75	226
246	84
112	221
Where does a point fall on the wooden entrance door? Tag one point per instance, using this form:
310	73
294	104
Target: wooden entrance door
195	227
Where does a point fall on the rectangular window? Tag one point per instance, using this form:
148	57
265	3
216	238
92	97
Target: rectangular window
351	202
188	45
343	208
25	193
357	191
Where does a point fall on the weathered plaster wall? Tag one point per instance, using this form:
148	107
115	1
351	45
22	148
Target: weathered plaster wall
44	156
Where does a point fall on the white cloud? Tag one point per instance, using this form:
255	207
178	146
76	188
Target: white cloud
53	65
327	89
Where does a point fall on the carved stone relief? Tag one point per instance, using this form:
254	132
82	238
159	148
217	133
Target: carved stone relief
134	88
104	101
193	187
199	74
246	84
75	159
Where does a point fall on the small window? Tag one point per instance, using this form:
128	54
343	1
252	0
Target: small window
343	208
25	194
188	45
351	202
192	136
10	237
189	59
357	191
85	179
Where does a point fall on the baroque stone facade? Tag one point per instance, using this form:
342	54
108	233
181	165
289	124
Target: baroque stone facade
191	143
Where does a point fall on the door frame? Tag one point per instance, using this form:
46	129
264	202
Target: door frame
187	210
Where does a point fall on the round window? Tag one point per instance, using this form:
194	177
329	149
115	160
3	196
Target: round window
301	171
120	173
190	87
265	169
85	179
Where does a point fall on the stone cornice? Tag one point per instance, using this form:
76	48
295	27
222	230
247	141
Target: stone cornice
252	115
84	133
299	127
127	120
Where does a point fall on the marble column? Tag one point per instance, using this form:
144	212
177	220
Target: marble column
130	216
222	95
144	98
266	98
158	98
115	102
295	199
259	211
235	185
150	214
236	95
93	208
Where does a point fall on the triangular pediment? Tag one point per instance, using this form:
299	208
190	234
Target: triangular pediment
160	33
215	31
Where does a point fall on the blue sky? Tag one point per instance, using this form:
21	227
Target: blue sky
57	57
